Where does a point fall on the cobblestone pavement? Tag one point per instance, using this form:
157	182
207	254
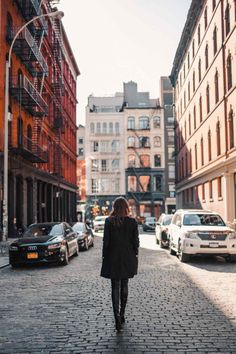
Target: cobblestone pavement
172	307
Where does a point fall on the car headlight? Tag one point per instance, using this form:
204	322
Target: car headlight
232	236
54	246
191	235
13	248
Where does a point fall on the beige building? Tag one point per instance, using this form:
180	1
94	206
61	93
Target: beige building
204	78
104	150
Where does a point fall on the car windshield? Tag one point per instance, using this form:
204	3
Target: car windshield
203	220
44	230
167	220
79	227
150	219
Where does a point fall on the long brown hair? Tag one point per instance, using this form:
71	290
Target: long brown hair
120	210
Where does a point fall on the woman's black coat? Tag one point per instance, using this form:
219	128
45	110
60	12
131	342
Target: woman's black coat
120	248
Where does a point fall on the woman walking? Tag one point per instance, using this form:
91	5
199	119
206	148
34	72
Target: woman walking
120	255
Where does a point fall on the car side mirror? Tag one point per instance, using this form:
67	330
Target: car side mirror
67	231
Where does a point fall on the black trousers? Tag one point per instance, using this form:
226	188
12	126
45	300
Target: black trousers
119	294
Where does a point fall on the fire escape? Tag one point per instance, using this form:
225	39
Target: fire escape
27	92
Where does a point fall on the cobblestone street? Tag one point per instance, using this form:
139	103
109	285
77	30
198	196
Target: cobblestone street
172	307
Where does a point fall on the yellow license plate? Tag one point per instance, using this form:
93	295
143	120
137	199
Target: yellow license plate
32	255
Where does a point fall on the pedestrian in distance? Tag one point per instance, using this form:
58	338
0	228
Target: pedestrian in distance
120	255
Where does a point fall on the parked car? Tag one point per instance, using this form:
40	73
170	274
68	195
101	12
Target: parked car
84	234
44	243
149	223
194	232
161	231
99	223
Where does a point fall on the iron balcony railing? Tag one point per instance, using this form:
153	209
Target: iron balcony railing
29	8
27	48
25	93
31	151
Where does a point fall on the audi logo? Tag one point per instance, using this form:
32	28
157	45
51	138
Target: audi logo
32	248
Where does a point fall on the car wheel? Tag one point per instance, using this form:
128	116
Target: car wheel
77	251
65	258
231	258
157	241
15	265
172	252
92	244
183	257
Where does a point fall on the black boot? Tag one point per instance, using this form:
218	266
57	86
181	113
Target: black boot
123	299
115	292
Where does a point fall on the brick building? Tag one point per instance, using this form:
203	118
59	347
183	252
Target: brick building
42	116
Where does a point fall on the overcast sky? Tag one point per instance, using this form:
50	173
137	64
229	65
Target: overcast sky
115	41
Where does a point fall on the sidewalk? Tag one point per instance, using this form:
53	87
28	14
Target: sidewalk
4	246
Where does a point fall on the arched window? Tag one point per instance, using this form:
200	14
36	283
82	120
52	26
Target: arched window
209	145
205	18
144	161
132	184
216	87
208	98
157	121
144	123
157	141
131	141
193	48
189	91
193	81
229	71
29	137
218	142
185	131
157	160
98	128
117	128
20	131
104	128
144	142
91	128
200	109
189	125
110	128
131	160
195	148
206	57
231	128
215	40
199	70
227	19
202	152
188	60
9	27
131	123
213	5
199	34
194	117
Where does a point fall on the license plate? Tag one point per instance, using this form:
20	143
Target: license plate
213	244
32	255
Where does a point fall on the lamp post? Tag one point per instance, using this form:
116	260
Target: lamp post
58	15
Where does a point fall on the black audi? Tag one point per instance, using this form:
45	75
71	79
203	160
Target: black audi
44	243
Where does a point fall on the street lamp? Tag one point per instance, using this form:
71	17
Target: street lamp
58	15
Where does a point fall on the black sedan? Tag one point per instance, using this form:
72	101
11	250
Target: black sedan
84	235
44	243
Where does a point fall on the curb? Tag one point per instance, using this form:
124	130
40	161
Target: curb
4	265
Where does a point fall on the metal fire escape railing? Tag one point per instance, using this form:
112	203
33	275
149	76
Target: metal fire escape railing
31	151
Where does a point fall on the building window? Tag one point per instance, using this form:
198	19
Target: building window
184	99
208	98
171	171
115	185
104	165
218	142
199	70
144	161
229	71
81	151
131	160
110	128
115	146
94	146
188	60
193	48
131	123
105	146
144	183
94	165
95	185
209	145
157	183
200	109
199	34
189	125
210	190
189	91
144	123
117	128
205	18
206	57
219	187
213	5
92	128
98	128
202	152
194	81
227	20
190	160
194	117
171	152
131	141
157	160
231	129
195	148
203	192
216	87
215	40
104	185
185	131
144	142
104	128
132	184
171	136
184	70
81	141
157	122
157	141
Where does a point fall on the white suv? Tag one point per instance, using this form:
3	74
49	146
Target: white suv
99	223
200	232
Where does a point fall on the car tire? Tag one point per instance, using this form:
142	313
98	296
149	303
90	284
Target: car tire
92	244
183	257
157	241
76	252
172	252
65	260
15	265
231	258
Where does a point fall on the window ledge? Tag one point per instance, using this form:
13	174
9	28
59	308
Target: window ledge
211	200
220	198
